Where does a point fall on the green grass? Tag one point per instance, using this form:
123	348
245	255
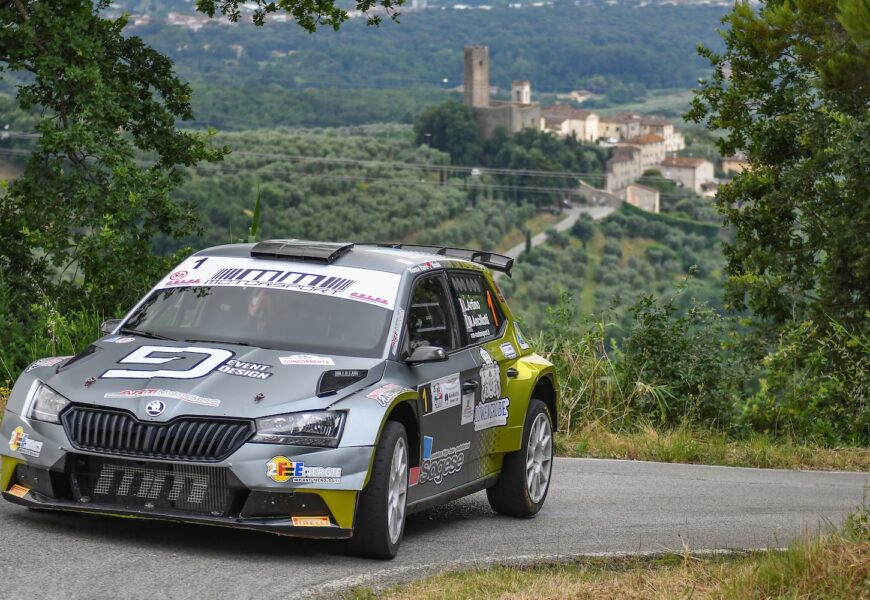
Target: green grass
669	101
836	565
694	445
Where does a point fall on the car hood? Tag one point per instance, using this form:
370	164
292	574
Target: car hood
211	379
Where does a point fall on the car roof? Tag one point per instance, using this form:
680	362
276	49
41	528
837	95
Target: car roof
361	256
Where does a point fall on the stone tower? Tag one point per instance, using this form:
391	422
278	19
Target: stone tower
477	76
521	92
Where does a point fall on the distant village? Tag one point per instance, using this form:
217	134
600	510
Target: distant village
641	142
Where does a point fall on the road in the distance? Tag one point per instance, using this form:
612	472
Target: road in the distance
594	506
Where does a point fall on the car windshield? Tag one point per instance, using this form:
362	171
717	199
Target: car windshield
266	318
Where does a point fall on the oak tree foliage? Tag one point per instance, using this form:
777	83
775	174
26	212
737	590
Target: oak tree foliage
792	91
79	223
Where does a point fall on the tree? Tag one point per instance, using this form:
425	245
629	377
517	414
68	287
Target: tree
583	228
450	127
791	90
79	223
309	14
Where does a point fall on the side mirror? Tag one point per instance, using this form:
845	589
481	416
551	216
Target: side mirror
109	325
427	354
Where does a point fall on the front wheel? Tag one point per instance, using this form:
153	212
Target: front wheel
525	475
380	516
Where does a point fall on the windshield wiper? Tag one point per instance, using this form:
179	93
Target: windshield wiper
146	334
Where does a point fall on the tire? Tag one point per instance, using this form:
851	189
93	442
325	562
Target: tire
381	515
512	494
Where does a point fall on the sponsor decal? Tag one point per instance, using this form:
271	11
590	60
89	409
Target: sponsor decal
442	394
19	491
158	393
387	393
306	359
211	359
508	350
396	330
46	362
426	266
413	476
467	409
281	469
23	444
375	287
436	465
119	339
367	298
245	369
311	521
280	279
521	340
491	414
180	278
490	377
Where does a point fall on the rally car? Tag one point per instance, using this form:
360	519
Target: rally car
302	388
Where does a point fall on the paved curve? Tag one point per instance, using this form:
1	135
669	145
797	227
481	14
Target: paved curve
594	506
572	214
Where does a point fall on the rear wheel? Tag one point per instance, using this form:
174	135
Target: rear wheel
380	517
525	476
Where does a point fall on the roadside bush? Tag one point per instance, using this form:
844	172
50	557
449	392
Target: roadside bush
49	333
682	354
815	385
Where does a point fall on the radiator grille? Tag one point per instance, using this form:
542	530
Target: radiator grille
186	438
128	484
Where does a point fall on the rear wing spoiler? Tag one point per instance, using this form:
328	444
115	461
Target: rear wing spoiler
496	262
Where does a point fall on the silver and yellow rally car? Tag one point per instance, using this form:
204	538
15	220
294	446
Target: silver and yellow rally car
309	389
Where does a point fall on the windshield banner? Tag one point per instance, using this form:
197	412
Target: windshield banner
372	287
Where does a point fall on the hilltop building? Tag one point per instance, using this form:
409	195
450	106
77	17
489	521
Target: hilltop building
652	150
642	196
734	164
623	126
564	120
658	125
688	171
515	115
623	169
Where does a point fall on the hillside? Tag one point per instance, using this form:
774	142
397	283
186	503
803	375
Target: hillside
278	75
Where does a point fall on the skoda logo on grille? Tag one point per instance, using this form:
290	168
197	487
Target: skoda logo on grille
155	408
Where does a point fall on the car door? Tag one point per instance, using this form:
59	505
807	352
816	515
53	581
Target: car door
483	327
432	321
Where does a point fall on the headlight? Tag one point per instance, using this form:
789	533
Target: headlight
47	404
322	428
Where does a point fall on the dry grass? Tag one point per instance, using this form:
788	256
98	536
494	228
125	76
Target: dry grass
686	444
834	566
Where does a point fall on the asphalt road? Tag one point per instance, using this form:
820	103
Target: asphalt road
595	506
571	215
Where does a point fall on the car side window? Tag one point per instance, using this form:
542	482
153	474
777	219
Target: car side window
478	308
430	318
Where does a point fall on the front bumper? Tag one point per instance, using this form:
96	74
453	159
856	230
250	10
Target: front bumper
236	492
